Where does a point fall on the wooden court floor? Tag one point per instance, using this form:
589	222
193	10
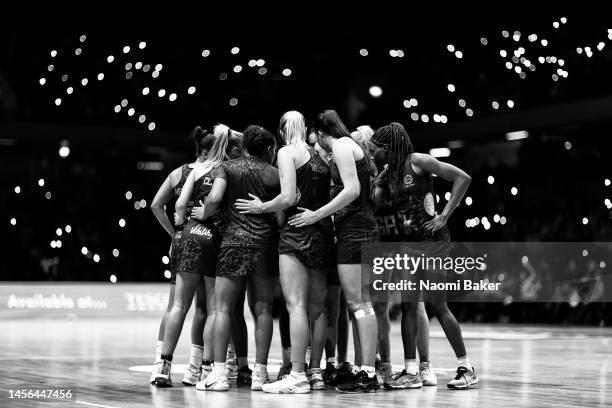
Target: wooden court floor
519	366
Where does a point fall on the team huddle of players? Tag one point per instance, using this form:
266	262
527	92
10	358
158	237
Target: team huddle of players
249	215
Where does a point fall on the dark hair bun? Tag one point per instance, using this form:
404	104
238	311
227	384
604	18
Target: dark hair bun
198	133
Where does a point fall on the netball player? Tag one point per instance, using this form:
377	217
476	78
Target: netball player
355	225
407	186
171	187
304	253
196	261
247	251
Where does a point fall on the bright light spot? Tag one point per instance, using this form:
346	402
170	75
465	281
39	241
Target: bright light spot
496	218
495	105
462	103
544	43
155	74
376	91
503	53
152	126
13	221
48	195
525	260
64	151
407	103
100	76
126	49
469	112
42	81
585	221
96	258
84	250
17	190
363	52
601	46
128	195
451	88
505	34
579	50
143	203
286	72
556	24
68	229
142	45
567	145
607	182
205	53
78	51
490	179
172	97
237	68
113	279
191	90
115	252
145	90
235	50
165	260
137	205
53	54
450	48
161	93
58	101
59	232
424	118
142	118
440	152
602	264
514	191
167	274
117	108
223	75
510	103
122	223
414	102
436	118
563	20
261	62
124	102
484	41
41	182
393	53
58	243
50	67
509	65
502	220
517	69
52	244
608	203
521	134
447	195
233	102
468	201
585	252
414	116
443	118
458	54
131	112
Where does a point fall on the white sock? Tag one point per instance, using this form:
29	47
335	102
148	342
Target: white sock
370	371
331	360
219	368
411	366
197	353
261	369
297	375
158	350
464	362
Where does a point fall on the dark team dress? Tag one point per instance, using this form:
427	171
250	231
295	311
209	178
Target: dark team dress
403	219
249	241
312	245
199	243
355	224
185	171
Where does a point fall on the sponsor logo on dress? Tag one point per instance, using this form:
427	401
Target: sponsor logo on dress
201	230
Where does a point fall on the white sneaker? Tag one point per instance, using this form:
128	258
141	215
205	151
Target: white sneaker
153	374
257	381
316	381
215	383
192	375
428	376
201	385
288	385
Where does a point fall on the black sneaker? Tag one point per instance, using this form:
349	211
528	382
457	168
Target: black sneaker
344	374
329	375
360	382
284	371
244	376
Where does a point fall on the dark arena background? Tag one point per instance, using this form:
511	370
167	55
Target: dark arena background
93	121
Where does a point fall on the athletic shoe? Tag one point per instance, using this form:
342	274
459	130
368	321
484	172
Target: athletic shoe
257	381
231	369
243	376
344	374
403	380
192	376
463	379
359	382
214	383
201	385
329	375
162	375
316	381
205	374
283	372
384	372
289	384
427	375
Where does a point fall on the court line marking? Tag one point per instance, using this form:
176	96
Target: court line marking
91	404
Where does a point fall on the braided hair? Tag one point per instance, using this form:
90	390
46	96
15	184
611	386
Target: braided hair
398	149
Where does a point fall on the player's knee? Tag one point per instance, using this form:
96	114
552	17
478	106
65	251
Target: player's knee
361	309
